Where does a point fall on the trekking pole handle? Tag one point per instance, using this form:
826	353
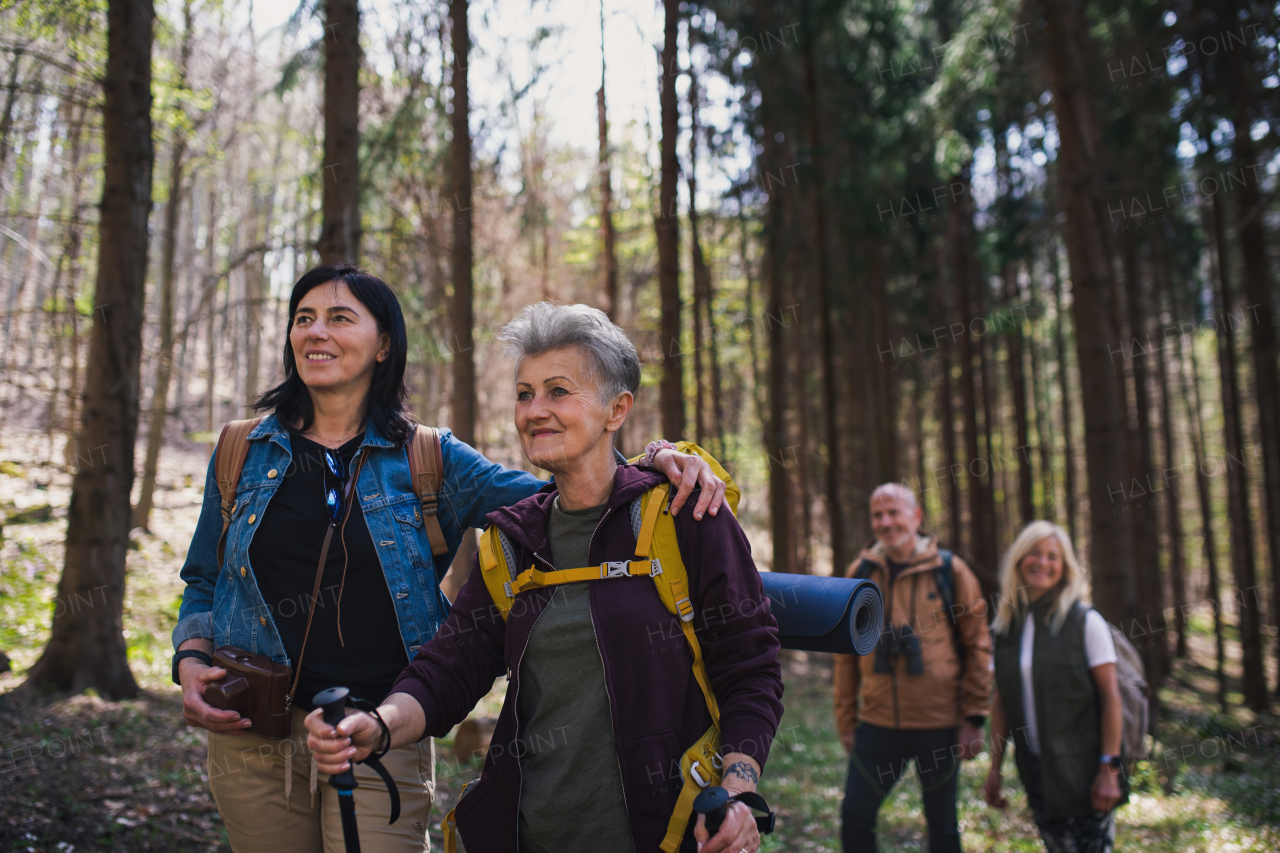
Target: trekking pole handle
714	803
334	703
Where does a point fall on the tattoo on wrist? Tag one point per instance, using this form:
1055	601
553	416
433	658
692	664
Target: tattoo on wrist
744	771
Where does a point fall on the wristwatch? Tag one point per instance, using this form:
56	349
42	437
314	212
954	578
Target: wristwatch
189	653
1110	760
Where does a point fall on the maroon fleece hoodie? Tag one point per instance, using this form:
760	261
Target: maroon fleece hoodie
658	709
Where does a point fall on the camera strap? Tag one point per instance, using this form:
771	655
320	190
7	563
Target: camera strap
315	590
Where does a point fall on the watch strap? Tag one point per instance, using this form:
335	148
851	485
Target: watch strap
204	658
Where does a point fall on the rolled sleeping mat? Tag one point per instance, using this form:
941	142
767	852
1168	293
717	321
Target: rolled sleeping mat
825	614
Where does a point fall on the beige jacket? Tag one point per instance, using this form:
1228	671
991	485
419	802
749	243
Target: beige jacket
947	691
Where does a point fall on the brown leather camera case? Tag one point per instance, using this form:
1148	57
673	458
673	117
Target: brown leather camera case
254	685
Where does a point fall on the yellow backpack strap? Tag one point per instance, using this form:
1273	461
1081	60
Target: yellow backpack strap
534	578
700	768
497	575
731	493
700	764
657	539
451	831
228	462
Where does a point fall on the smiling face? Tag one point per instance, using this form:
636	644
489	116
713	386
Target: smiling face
561	420
1041	568
895	522
336	342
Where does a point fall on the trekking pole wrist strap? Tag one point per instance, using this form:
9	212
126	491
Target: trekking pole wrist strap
753	800
372	760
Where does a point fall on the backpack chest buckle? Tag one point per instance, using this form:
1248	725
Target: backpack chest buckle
615	569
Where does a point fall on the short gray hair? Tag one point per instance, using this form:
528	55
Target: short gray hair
898	492
546	326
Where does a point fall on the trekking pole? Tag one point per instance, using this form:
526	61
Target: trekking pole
334	703
714	803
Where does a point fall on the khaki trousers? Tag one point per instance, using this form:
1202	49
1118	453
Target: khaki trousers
247	777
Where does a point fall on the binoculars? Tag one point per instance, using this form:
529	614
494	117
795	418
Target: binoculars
900	641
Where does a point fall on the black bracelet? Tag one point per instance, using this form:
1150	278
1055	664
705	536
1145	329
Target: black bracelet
189	653
385	731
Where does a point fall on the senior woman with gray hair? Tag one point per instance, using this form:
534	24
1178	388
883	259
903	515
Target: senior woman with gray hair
602	701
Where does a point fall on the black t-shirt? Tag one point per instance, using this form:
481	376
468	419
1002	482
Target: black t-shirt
284	553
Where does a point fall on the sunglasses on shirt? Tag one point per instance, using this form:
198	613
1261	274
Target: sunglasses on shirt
333	494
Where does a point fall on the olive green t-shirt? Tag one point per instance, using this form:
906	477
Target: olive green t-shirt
571	798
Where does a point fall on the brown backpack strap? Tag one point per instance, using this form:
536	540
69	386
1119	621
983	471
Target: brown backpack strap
226	470
426	470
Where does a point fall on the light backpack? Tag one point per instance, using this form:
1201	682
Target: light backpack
426	470
660	559
1133	697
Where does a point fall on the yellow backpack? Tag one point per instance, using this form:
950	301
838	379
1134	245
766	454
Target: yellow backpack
660	559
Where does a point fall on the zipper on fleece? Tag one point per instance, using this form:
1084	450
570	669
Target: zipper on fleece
605	675
520	662
516	709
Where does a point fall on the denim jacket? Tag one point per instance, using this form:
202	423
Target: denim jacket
223	603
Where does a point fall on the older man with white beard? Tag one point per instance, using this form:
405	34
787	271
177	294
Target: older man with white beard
925	690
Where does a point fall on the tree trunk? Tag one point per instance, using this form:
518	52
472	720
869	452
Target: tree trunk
607	234
1017	378
799	455
1044	427
1195	426
776	442
757	379
164	360
86	646
1079	179
211	327
68	263
10	98
835	510
1064	389
461	307
1173	508
884	408
256	278
168	251
1242	556
1260	294
946	412
701	274
667	223
463	404
340	228
1146	527
981	543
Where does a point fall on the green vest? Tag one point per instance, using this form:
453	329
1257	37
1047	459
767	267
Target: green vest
1068	713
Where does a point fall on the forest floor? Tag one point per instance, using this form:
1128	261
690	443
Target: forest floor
84	774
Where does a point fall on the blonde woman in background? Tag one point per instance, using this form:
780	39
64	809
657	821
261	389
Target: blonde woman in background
1057	696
